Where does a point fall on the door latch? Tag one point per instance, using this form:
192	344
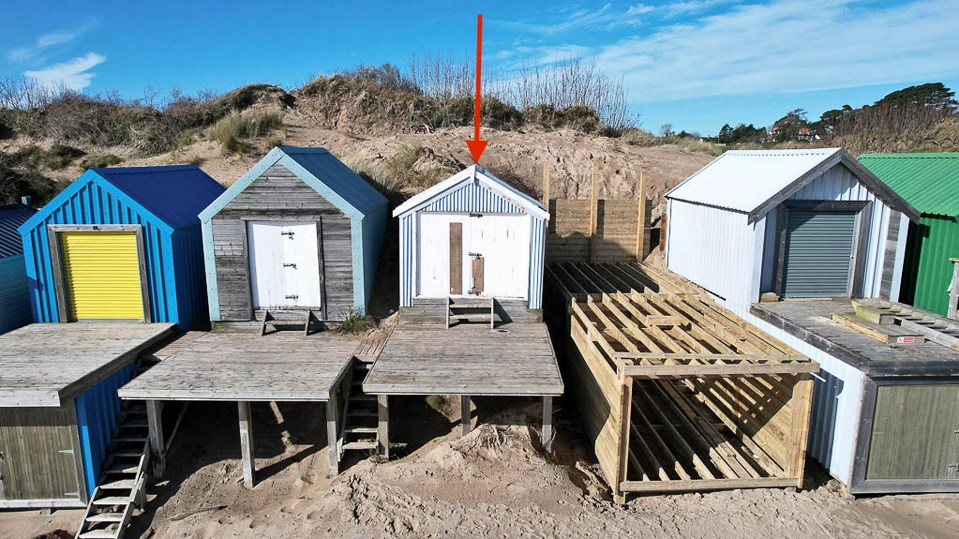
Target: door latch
476	255
292	297
953	466
289	266
290	234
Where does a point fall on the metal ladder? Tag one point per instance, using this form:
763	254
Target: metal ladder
123	480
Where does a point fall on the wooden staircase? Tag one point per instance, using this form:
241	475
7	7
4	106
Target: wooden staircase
360	417
288	318
470	310
123	480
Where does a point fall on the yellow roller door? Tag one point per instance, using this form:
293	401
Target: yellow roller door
102	275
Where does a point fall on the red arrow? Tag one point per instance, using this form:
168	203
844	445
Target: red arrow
477	146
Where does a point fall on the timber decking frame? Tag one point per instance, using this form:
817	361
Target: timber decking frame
676	393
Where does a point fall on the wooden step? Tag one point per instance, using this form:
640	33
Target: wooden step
100	534
123	470
130	454
362	366
134	424
105	517
363	398
120	484
130	439
112	500
479	317
360	430
364	413
353	446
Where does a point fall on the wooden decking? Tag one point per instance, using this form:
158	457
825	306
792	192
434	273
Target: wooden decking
676	393
48	364
237	364
812	321
423	357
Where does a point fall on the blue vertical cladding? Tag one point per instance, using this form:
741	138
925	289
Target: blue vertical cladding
537	258
98	409
190	281
14	297
407	250
91	200
372	237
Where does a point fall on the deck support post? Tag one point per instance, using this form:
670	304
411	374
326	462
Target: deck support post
465	413
246	442
548	424
155	424
332	433
383	428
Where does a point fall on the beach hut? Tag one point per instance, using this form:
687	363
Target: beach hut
298	232
809	245
472	235
796	223
121	244
14	300
930	182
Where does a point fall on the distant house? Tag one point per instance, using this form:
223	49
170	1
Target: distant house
121	244
14	299
930	182
472	235
299	231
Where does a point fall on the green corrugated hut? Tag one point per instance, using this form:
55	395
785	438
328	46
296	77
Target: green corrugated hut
930	183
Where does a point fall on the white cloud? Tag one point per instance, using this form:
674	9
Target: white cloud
789	46
48	40
74	74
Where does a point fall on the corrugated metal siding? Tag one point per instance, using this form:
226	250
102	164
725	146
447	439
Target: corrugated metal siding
407	258
97	411
89	205
537	240
714	248
190	278
819	247
932	243
14	298
928	181
475	198
11	217
174	194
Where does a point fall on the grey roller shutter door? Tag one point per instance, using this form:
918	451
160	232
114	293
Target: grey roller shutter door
819	248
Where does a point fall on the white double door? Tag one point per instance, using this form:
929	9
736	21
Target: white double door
492	252
284	264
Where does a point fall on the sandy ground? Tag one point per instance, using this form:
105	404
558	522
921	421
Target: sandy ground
495	482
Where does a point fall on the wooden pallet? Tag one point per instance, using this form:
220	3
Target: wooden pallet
678	394
935	328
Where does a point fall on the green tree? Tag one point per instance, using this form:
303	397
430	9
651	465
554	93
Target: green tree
932	94
788	127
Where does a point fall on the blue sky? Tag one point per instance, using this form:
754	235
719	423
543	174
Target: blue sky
696	64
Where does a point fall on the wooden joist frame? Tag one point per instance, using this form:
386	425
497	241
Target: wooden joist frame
679	394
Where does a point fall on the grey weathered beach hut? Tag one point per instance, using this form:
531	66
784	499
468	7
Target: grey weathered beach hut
299	231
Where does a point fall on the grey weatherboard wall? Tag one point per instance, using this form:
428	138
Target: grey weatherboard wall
304	185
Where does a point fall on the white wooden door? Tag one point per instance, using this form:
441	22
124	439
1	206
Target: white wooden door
284	264
503	242
433	254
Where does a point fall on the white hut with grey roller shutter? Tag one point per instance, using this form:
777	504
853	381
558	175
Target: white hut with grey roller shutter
472	235
299	231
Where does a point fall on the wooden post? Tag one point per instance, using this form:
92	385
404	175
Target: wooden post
548	424
246	442
641	219
332	433
662	232
383	429
465	413
546	187
593	213
155	424
801	404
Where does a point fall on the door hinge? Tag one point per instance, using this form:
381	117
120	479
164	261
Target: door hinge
290	234
292	297
289	266
66	451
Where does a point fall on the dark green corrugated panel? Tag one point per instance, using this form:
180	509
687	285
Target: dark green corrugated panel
818	249
928	181
939	241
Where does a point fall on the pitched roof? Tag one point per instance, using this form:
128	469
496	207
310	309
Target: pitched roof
928	181
175	194
11	217
755	181
319	169
478	174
